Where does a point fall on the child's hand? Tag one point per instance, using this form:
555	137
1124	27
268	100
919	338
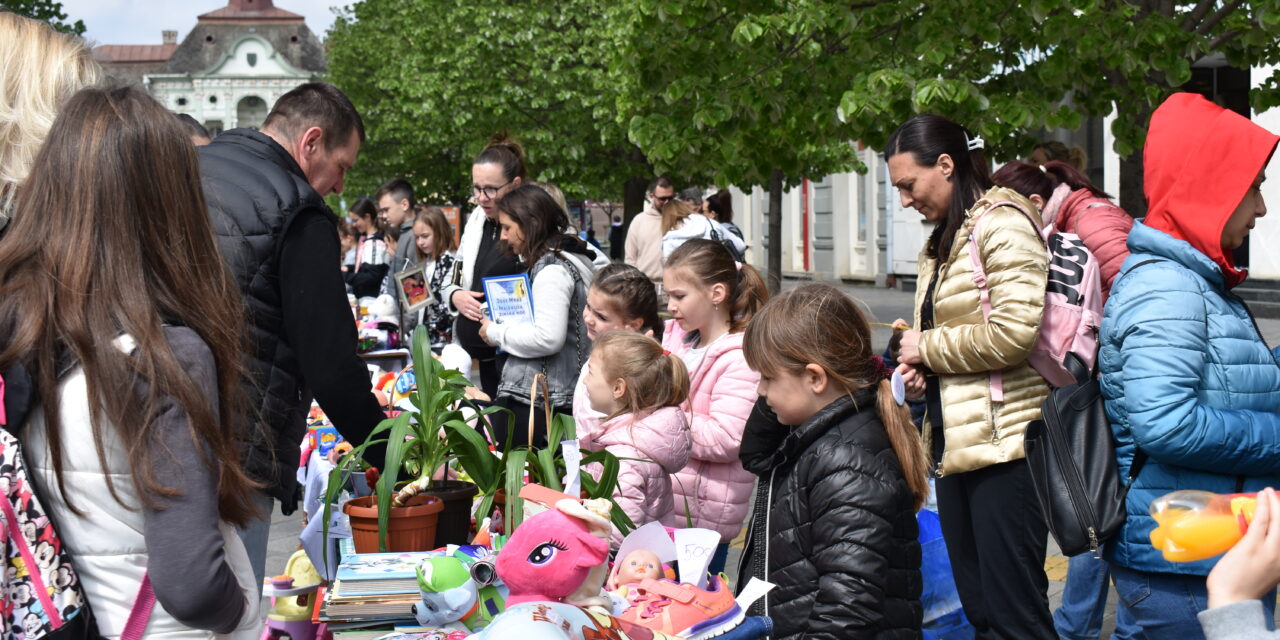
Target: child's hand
1252	567
484	330
913	380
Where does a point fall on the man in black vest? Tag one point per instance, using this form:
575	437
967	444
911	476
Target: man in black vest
280	242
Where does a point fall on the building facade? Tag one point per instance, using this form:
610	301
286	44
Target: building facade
229	69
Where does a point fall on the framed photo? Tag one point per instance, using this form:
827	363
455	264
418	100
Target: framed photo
508	299
414	291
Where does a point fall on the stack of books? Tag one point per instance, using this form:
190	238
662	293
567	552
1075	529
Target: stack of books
372	587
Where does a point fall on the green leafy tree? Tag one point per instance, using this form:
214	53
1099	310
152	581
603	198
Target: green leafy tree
434	79
46	10
1007	68
728	90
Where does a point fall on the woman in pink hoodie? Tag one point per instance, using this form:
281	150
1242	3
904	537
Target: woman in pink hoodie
1071	204
639	386
712	298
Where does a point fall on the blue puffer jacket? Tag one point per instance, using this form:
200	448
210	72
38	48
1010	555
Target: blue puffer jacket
1187	378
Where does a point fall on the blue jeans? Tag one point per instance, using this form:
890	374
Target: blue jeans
1164	605
718	559
1084	602
256	534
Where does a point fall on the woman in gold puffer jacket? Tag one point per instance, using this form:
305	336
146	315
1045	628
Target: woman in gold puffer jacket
973	371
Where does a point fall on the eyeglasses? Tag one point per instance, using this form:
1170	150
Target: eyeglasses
664	199
488	192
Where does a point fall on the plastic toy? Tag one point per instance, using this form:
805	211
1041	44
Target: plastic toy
636	567
450	593
292	600
405	384
548	557
1195	525
559	621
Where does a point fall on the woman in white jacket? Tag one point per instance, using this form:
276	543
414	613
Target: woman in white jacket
680	223
555	344
130	327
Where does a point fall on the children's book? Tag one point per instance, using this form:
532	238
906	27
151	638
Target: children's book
375	574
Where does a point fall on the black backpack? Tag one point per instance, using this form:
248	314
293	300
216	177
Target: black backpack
1072	455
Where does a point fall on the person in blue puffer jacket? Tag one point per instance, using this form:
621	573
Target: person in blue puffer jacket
1186	375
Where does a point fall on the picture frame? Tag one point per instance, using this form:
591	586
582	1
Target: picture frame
415	291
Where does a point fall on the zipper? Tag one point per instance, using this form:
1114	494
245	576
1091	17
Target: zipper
1075	484
768	517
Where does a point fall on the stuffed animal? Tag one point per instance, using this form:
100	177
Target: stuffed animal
449	594
548	557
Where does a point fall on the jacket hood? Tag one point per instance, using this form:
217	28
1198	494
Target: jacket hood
661	437
829	417
675	337
1199	162
1067	205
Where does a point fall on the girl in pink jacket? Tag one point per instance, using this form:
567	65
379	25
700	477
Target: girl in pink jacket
712	298
638	386
1071	204
621	298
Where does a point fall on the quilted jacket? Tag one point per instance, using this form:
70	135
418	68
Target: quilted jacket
714	489
1186	376
652	446
1101	225
963	350
841	542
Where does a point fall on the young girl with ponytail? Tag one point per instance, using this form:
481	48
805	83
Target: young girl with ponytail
638	387
842	472
621	298
712	298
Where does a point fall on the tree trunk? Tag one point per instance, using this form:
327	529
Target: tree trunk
633	194
1132	199
775	232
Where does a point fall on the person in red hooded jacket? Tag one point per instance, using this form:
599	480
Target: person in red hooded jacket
1189	382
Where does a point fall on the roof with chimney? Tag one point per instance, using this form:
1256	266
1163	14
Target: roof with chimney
212	39
255	10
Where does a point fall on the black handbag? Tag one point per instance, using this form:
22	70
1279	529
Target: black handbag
1072	456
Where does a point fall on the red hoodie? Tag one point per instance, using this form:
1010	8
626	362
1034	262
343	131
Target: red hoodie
1200	161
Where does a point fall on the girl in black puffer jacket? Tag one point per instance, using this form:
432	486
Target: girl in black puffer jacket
835	525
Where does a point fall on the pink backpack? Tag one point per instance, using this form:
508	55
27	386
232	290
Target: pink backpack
1072	303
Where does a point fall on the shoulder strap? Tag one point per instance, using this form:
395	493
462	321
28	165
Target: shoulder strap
136	626
980	279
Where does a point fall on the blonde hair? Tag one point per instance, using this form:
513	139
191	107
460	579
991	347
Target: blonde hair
817	324
655	378
674	214
42	69
709	263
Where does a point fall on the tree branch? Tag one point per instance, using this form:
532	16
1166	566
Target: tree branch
1196	14
1208	25
1222	39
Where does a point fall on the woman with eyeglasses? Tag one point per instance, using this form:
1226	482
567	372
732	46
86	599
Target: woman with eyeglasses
497	170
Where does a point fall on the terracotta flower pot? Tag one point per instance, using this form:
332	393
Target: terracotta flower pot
410	528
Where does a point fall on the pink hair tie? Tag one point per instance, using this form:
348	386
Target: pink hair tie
737	265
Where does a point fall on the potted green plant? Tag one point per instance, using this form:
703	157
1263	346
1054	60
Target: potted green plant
416	442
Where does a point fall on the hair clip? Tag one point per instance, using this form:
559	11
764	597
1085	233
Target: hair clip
974	143
1043	170
899	387
665	352
737	265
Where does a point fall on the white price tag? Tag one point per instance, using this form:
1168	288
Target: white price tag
694	548
572	467
754	590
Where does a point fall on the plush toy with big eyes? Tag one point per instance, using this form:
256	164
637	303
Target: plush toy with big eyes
548	557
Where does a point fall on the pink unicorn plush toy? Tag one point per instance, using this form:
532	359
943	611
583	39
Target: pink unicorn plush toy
548	557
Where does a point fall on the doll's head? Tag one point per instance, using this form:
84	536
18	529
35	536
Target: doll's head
637	566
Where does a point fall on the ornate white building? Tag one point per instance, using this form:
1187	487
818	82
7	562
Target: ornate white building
230	69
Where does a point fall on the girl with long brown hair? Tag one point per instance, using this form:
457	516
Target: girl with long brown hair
842	473
434	248
129	325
